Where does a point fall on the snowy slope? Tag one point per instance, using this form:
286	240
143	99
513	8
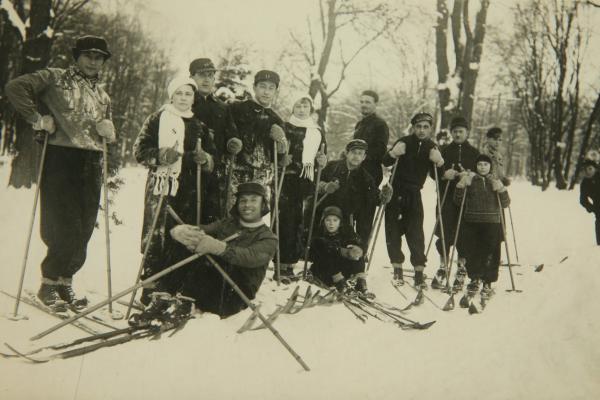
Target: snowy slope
543	343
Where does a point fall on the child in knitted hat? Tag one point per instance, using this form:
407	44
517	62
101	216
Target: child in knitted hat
483	194
336	253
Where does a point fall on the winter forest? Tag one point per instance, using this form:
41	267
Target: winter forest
528	67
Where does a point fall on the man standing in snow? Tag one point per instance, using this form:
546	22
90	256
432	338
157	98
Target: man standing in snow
492	149
257	129
416	155
213	113
245	258
458	156
71	107
589	196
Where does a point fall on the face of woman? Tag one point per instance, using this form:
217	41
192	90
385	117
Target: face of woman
183	98
302	109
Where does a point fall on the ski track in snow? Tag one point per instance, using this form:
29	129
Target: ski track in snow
543	343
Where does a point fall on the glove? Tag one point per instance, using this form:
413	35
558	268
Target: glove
331	187
398	150
167	155
286	160
436	157
282	146
505	181
200	157
45	123
106	129
355	252
386	194
209	245
277	134
234	146
497	185
322	160
466	178
188	235
450	174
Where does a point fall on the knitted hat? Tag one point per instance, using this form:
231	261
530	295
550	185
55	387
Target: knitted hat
494	133
357	144
458	122
483	157
332	210
91	43
178	82
266	75
421	117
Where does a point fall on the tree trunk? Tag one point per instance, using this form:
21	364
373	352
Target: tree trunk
441	57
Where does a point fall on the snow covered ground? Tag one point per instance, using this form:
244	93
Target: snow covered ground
543	343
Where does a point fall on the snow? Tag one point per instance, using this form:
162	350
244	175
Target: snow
543	343
474	66
13	17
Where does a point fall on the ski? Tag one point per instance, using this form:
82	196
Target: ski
281	310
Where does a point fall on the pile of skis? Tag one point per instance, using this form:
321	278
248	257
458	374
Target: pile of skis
165	313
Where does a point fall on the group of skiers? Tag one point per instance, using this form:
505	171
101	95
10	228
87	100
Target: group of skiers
246	161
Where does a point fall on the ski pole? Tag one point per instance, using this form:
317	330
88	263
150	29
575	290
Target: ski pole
198	186
106	220
125	292
31	222
313	213
276	212
381	215
460	214
148	242
441	221
512	227
437	221
279	192
512	280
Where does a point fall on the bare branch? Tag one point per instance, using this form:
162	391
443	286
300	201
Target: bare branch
592	3
301	47
312	42
322	19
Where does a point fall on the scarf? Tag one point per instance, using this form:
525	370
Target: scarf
310	144
251	224
171	133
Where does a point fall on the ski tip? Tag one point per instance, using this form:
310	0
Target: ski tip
539	268
473	309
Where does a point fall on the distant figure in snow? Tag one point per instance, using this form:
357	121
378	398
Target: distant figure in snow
482	227
590	192
244	258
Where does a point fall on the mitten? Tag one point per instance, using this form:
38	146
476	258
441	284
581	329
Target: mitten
106	129
436	157
167	155
45	123
209	245
234	146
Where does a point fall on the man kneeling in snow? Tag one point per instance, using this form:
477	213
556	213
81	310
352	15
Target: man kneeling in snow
245	258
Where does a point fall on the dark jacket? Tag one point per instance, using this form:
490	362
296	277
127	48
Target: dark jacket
248	255
590	190
213	113
75	102
481	204
373	130
414	165
252	124
459	157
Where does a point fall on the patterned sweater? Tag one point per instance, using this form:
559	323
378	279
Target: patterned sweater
481	203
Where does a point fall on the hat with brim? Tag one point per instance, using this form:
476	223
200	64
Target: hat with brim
251	188
332	210
202	65
421	117
357	144
91	44
266	76
458	122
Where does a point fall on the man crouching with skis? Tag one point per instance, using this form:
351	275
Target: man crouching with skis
244	259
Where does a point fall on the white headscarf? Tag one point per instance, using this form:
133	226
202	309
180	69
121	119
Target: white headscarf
311	142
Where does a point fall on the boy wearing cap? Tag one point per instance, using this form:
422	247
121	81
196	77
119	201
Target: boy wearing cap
482	228
335	252
416	155
71	107
492	149
458	156
213	113
589	196
257	129
244	258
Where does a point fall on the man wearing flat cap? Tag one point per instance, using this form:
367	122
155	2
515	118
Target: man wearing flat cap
416	155
244	258
213	113
71	107
257	129
492	149
459	156
589	195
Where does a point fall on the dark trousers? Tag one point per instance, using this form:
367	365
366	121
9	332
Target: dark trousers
404	217
597	214
291	226
482	246
324	271
69	199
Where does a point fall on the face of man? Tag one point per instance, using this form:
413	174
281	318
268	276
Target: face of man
90	63
495	142
249	207
589	171
264	92
355	157
205	81
422	129
459	134
367	105
483	168
332	223
302	109
183	98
